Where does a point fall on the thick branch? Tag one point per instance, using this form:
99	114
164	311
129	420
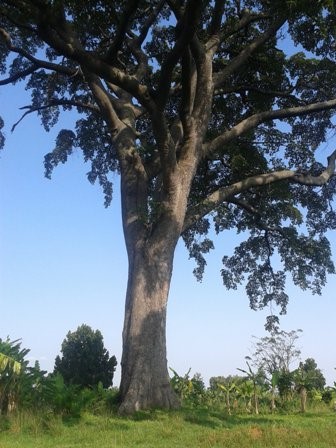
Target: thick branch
37	63
227	193
254	120
104	103
187	28
218	37
136	42
247	52
217	15
149	22
67	44
122	30
17	76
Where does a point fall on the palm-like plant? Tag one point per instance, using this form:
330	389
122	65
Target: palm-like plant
255	377
12	366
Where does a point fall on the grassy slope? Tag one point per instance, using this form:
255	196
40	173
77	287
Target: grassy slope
188	428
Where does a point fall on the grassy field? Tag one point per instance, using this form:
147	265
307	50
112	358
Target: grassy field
186	428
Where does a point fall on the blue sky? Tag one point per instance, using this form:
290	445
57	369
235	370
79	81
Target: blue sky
63	263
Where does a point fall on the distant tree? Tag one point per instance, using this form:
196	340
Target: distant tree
85	361
306	378
284	382
274	355
276	352
317	378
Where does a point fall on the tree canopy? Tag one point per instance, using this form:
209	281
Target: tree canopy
213	113
85	361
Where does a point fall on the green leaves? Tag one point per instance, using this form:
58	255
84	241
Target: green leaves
13	368
7	363
64	146
85	361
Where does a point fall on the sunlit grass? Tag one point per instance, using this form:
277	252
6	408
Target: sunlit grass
186	428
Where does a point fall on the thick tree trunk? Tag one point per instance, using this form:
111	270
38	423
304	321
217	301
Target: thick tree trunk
145	381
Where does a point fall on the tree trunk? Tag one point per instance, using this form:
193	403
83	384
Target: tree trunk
145	382
273	399
303	398
227	399
255	401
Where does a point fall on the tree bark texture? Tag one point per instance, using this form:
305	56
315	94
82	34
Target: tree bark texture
145	381
303	399
150	243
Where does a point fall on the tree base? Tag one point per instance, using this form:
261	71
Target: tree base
133	402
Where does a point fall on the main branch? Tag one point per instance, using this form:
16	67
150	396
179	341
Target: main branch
254	120
226	193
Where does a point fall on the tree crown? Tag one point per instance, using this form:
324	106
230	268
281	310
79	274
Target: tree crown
149	78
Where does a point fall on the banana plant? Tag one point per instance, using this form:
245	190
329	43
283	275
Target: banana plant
228	389
10	369
255	378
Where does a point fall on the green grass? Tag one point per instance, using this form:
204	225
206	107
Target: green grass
186	428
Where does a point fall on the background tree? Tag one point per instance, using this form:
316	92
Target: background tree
274	355
183	99
85	361
317	379
303	381
276	352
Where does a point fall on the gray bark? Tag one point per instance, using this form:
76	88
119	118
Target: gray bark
145	381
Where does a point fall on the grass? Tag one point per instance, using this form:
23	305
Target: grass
185	428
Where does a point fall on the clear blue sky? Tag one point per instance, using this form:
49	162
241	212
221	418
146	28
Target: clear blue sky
63	263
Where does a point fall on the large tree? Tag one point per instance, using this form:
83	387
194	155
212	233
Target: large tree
210	124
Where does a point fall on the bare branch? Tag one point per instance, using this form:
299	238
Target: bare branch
54	103
227	193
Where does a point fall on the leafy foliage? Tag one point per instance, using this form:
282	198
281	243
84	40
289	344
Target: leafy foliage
12	369
85	361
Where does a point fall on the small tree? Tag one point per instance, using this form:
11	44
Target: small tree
85	361
316	376
306	378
